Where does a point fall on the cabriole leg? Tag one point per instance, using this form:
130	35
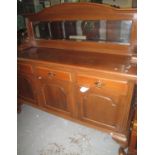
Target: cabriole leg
121	151
122	140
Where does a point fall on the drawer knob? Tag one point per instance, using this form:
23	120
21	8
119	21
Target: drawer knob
98	84
39	77
50	74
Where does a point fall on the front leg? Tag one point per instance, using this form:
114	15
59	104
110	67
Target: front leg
121	151
122	140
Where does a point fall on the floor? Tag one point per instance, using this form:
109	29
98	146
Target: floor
40	133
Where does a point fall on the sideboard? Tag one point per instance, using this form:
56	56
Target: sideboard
79	62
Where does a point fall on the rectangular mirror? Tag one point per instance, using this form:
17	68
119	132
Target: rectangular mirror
116	31
41	30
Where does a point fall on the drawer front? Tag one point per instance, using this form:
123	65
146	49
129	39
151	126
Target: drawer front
25	68
107	84
53	74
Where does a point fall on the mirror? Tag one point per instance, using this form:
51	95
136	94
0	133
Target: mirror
117	31
41	30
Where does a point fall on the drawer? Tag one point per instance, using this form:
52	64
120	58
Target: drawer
25	68
52	74
97	82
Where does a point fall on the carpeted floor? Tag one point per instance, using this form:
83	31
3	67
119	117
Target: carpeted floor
40	133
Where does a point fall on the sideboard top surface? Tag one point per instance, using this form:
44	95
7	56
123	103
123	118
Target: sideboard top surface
107	62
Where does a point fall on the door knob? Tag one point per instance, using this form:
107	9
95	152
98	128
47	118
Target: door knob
50	74
98	84
39	77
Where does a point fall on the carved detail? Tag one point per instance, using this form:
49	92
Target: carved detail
110	100
84	9
121	139
58	86
102	104
55	96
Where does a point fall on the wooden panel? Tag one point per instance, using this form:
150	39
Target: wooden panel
101	108
105	109
90	81
25	68
53	74
26	88
55	96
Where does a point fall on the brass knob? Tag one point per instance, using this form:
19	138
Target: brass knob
39	77
98	84
50	74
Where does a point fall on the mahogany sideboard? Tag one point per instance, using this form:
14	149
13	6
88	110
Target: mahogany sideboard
79	62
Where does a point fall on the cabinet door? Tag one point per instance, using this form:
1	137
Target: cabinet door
26	88
101	106
55	95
